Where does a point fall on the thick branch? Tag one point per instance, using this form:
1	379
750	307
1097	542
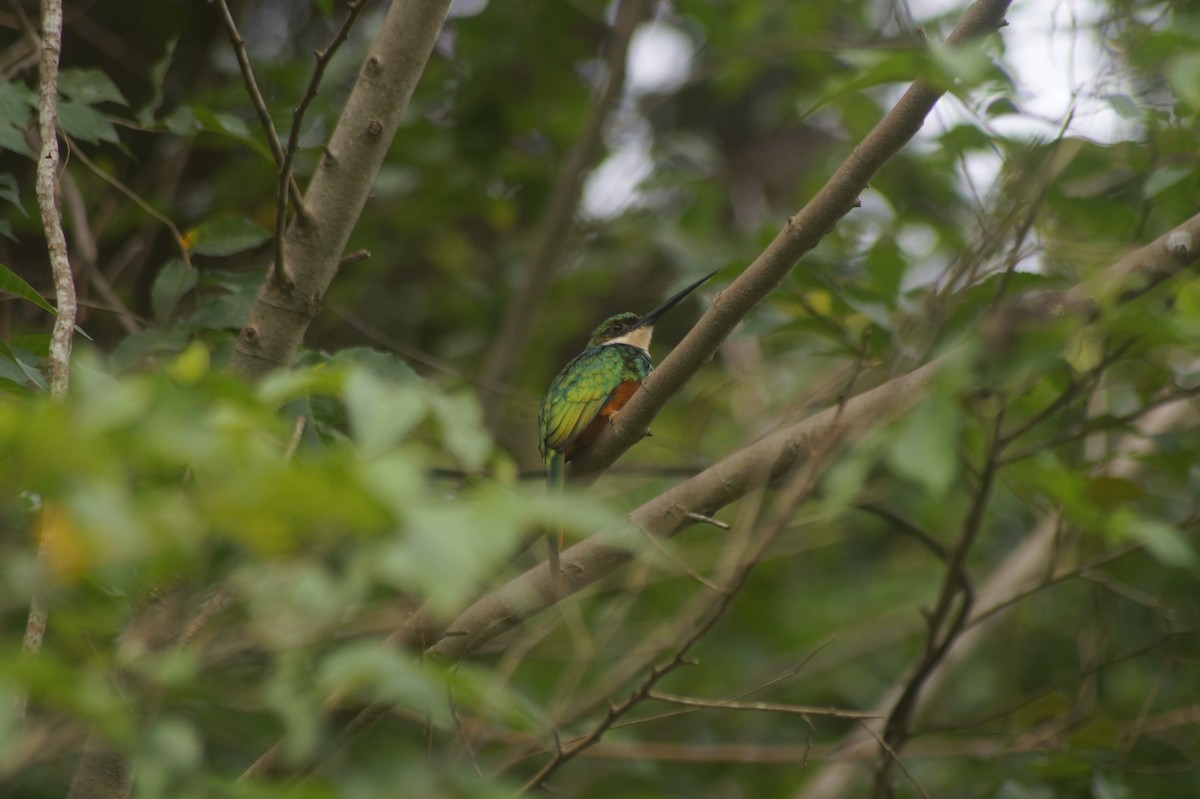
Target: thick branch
314	244
801	234
667	514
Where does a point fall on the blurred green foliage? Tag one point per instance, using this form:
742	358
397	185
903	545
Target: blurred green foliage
162	482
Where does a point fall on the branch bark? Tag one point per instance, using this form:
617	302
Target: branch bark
314	244
738	474
47	195
1021	572
802	232
59	358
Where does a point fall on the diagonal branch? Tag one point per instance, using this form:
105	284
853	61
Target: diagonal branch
799	488
286	179
314	244
256	98
770	458
802	232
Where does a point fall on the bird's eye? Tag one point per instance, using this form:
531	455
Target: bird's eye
618	328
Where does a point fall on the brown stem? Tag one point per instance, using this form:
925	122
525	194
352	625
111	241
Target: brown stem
313	246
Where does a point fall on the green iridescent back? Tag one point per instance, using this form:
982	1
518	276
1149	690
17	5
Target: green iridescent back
585	385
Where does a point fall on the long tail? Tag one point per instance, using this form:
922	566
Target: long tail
555	481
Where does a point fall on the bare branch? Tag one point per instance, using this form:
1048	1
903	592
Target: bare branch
256	98
766	707
798	489
59	359
944	628
47	194
87	252
139	201
313	245
286	182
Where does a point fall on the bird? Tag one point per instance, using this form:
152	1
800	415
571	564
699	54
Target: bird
594	386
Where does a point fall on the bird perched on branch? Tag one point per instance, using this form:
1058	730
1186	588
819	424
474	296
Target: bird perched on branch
594	386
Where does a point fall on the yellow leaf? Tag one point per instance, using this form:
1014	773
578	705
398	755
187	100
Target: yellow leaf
66	552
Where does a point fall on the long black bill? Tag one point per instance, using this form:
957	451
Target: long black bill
652	317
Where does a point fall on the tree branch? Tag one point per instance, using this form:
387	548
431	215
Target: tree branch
47	194
293	144
59	358
339	189
1022	574
802	232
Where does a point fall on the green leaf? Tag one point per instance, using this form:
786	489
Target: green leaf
924	449
13	284
9	191
182	122
1184	76
171	283
27	368
158	73
463	433
35	343
89	86
1125	106
1164	178
138	346
226	235
17	103
1108	492
1164	541
9	368
381	364
85	123
13	140
381	412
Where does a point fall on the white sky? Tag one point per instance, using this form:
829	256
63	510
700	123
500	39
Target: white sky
1053	54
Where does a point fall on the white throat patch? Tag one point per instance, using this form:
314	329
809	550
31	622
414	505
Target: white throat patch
639	337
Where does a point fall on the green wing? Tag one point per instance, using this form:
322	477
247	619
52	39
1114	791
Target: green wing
577	395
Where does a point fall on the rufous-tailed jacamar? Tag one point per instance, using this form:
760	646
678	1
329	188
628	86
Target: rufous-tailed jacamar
594	386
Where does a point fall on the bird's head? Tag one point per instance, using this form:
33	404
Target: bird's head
630	328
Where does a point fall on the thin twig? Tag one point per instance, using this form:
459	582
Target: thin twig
294	442
894	757
59	358
279	270
803	482
766	707
700	518
680	563
256	98
943	629
131	194
88	253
